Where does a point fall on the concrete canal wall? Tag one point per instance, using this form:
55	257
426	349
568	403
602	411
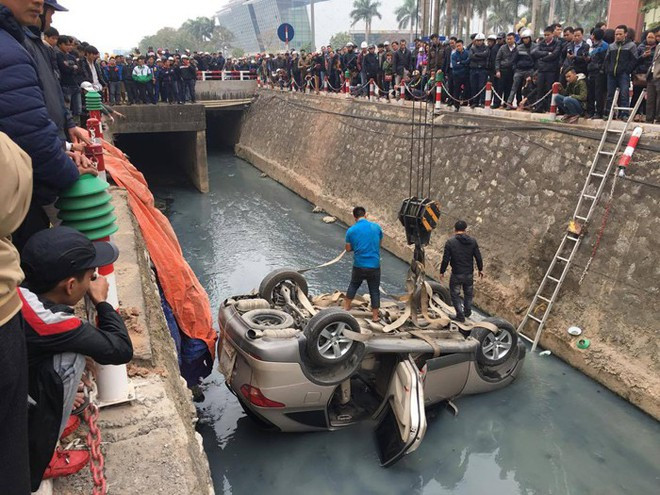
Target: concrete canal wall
516	184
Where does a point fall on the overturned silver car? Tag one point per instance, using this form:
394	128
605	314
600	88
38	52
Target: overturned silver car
298	362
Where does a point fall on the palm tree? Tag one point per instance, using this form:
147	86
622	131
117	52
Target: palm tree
448	17
201	28
408	14
503	15
365	10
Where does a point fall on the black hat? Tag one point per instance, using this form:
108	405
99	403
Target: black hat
52	255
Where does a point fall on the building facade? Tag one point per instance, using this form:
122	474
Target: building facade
254	23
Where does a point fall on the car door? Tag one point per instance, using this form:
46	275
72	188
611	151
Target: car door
401	417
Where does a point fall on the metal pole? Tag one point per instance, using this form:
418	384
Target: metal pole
313	24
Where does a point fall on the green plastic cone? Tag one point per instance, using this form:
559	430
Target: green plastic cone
87	213
95	235
83	202
92	223
86	185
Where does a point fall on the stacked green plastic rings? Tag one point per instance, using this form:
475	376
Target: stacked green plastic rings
86	207
93	100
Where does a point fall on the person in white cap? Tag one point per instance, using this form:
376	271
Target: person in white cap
479	57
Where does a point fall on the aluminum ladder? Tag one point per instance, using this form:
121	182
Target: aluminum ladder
546	295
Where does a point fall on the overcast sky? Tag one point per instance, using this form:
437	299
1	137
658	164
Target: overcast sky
121	24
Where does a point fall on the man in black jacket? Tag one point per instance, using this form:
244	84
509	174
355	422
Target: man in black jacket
504	66
59	266
460	252
546	56
479	58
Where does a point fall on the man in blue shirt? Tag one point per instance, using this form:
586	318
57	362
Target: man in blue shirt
364	240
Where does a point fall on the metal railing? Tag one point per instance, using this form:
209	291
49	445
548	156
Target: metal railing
224	75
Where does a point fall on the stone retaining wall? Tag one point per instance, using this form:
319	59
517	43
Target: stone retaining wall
516	184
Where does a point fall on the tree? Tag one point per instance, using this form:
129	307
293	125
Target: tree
201	28
199	34
339	40
449	17
365	10
408	14
237	52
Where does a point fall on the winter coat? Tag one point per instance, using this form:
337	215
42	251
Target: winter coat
87	72
460	251
16	192
522	59
505	58
24	116
546	56
114	73
50	84
621	58
579	63
403	60
492	56
370	64
596	60
142	75
644	63
460	62
68	67
479	57
436	58
577	90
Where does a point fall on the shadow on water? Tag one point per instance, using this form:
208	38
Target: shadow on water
554	431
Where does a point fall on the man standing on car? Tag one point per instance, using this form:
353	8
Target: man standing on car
364	239
460	251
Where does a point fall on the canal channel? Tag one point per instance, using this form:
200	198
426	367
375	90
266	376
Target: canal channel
554	431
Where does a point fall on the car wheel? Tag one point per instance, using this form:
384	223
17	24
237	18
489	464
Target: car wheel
495	348
441	291
270	286
326	342
268	319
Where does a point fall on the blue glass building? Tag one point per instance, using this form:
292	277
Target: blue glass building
254	23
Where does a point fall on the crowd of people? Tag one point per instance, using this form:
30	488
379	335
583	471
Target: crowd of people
45	270
522	69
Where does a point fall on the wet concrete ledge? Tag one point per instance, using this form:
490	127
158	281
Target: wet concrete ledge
517	189
150	445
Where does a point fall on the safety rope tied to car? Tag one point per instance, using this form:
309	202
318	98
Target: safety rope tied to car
96	461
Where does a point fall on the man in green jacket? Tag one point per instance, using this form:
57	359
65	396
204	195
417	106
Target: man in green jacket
143	77
572	99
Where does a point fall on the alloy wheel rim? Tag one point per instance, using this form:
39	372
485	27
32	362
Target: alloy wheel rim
497	346
332	343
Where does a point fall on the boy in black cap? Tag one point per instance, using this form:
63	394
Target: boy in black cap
59	266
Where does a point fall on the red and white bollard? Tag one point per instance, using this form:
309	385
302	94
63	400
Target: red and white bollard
624	161
438	95
112	380
347	87
258	81
292	88
489	95
371	89
324	88
553	101
402	93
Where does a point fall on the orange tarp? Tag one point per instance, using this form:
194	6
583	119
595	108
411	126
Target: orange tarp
183	292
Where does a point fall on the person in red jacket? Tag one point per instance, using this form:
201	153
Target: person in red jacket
59	266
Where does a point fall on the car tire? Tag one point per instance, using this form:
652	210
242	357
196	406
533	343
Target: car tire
326	345
268	319
494	348
441	291
274	279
